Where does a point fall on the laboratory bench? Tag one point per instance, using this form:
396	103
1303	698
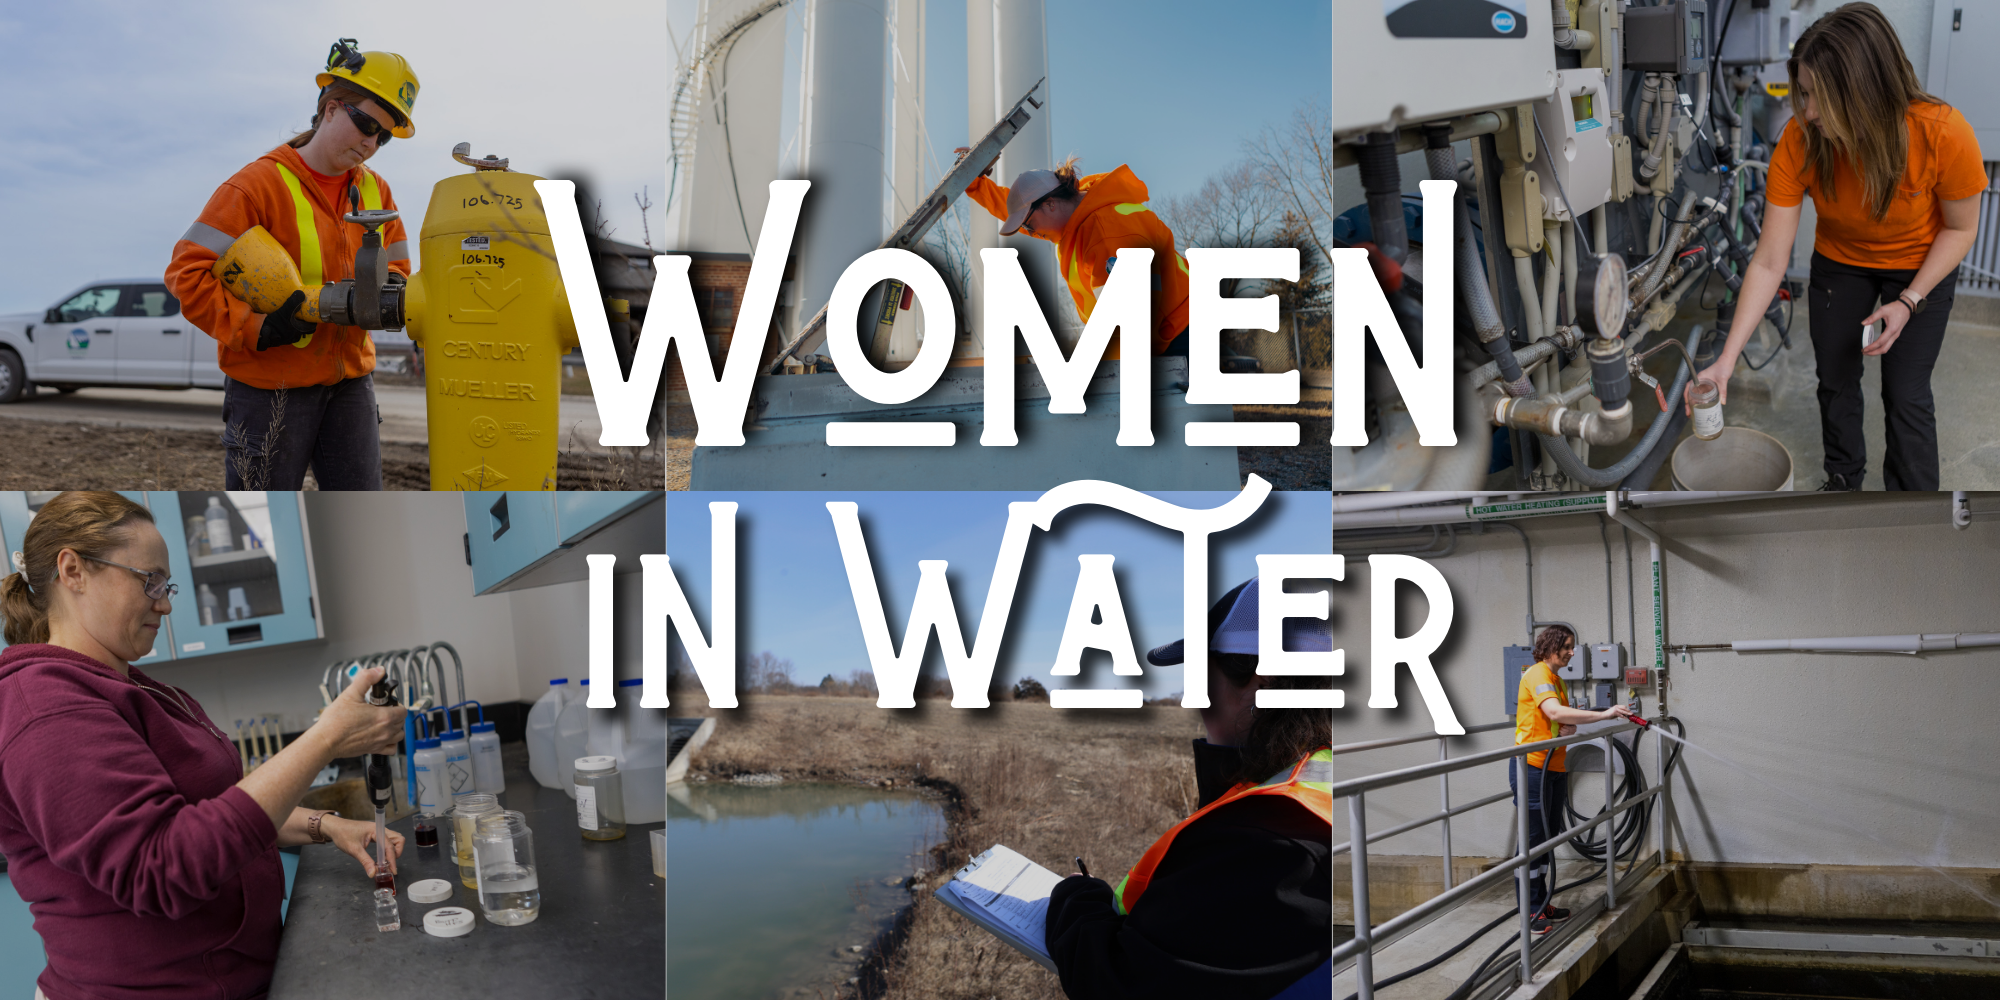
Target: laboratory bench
601	932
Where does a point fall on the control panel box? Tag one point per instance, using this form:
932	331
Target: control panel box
1606	660
1575	122
1399	62
1669	38
1579	663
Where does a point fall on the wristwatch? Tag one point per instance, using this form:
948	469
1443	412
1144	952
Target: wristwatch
1913	300
312	828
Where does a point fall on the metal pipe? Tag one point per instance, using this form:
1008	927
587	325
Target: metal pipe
1444	802
1526	871
1364	959
1928	642
1610	868
1411	138
1351	502
1612	511
1407	740
459	665
1612	475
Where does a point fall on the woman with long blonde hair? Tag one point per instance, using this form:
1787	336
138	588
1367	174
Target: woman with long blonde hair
1895	175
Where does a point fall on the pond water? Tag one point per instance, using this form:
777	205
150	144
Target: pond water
770	886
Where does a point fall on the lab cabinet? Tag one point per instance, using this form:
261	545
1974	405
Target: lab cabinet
17	508
521	539
243	559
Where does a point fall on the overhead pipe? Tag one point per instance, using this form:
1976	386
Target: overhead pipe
1539	505
1928	642
1655	557
1350	502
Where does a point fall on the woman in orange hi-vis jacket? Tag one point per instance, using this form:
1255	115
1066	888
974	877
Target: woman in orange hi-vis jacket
1090	219
1235	902
302	394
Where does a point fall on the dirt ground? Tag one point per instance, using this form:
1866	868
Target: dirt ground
1046	782
40	454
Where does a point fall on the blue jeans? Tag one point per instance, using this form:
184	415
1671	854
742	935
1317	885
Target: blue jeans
273	435
1554	785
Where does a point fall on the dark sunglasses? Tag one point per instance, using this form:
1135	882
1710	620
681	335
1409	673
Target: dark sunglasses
367	124
157	586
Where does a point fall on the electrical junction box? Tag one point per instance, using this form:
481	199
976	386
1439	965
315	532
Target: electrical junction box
1513	660
1577	165
1669	38
1758	35
1638	677
1606	660
1579	661
1404	61
1600	695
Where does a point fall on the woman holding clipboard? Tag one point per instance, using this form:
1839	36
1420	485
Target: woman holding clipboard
1234	902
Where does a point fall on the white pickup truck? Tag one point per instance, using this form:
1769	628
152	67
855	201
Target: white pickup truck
127	332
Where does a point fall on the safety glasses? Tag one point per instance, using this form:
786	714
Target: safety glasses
367	124
157	586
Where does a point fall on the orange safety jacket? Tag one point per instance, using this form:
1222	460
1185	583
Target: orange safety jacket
1309	782
1112	216
277	191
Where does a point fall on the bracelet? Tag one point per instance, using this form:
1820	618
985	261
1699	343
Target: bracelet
312	827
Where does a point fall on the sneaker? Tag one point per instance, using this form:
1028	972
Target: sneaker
1837	483
1553	912
1540	926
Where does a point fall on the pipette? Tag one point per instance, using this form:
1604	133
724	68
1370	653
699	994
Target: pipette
381	791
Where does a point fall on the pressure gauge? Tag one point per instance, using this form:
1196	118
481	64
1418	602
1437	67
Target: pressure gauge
1602	300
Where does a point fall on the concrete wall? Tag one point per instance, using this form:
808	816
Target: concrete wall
1834	759
392	575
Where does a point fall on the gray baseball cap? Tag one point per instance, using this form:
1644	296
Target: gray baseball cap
1028	188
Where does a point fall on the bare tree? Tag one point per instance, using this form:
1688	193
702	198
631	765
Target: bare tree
767	673
1296	159
1238	207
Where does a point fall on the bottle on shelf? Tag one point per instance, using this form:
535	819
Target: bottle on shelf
218	527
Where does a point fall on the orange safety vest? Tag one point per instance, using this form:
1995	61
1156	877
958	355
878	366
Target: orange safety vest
1308	782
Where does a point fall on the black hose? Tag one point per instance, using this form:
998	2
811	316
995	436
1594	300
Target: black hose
1382	182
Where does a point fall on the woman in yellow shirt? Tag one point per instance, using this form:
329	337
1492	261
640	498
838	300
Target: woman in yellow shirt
1895	175
1542	712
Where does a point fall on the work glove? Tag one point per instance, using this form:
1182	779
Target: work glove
285	326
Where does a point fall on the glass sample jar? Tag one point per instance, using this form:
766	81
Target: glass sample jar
464	814
1706	398
600	798
504	848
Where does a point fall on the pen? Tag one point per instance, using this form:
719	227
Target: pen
1080	866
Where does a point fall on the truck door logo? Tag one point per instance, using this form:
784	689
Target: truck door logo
78	340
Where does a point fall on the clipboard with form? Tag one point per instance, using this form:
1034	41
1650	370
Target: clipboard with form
1008	895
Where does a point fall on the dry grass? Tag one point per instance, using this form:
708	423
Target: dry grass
1049	783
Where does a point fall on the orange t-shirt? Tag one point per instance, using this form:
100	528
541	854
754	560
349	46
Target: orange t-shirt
1944	165
1539	683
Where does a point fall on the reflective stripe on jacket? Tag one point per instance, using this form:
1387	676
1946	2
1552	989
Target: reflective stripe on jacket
1309	782
1111	216
275	192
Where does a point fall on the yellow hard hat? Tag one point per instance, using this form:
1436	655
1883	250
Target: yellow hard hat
384	74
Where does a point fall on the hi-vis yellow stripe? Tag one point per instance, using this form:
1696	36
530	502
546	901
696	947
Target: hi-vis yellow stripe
310	267
1129	208
371	191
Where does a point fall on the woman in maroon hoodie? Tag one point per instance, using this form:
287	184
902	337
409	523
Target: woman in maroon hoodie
148	858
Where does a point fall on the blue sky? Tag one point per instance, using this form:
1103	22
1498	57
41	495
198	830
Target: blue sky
794	599
123	116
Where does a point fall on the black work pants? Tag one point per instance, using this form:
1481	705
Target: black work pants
1839	298
1554	786
272	435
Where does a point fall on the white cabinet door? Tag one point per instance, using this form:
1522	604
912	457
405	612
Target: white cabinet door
84	346
153	338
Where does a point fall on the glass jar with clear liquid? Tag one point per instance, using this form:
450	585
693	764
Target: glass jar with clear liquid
504	847
465	812
600	798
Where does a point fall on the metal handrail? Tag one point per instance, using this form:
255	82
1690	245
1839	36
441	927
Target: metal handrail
1407	740
1366	937
1413	824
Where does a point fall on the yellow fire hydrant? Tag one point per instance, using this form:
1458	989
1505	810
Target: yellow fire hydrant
489	310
